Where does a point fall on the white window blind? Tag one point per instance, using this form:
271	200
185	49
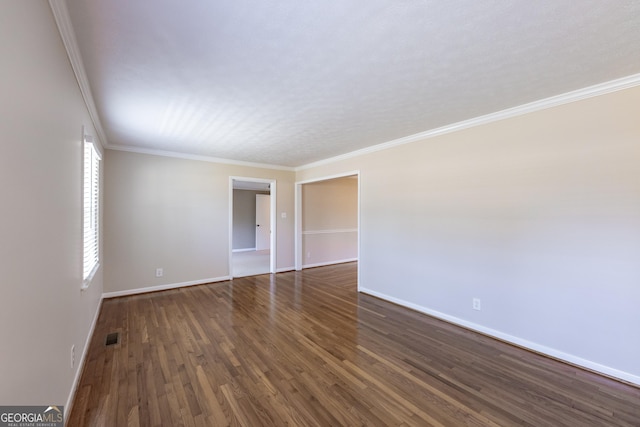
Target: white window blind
91	215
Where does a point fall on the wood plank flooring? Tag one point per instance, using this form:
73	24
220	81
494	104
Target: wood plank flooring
305	349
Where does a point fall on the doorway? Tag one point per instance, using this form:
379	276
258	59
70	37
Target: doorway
327	221
251	226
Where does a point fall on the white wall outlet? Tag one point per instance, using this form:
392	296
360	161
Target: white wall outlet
73	356
476	304
308	254
159	272
283	215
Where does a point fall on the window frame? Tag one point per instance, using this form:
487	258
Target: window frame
91	159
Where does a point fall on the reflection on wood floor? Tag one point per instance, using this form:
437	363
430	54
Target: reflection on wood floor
304	348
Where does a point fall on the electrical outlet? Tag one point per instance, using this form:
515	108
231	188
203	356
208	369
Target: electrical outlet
476	304
73	356
159	272
308	254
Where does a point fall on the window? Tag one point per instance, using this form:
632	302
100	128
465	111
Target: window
91	214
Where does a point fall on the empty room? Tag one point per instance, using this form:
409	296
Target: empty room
383	213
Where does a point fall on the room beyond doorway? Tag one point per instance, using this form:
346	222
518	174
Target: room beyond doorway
251	263
327	220
251	226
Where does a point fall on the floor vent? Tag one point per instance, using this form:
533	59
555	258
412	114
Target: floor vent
112	338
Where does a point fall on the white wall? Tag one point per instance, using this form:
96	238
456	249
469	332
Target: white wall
172	213
42	309
537	215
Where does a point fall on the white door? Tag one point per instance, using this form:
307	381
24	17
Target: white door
263	222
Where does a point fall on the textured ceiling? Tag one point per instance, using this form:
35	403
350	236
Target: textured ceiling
290	82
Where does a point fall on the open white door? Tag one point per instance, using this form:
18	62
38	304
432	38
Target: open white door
263	222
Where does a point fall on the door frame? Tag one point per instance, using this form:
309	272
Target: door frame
272	240
298	216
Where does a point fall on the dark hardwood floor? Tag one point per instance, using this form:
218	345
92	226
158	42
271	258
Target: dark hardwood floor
305	349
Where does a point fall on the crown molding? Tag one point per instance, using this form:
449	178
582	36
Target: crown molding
554	101
174	154
63	21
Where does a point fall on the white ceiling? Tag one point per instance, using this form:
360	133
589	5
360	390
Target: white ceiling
290	82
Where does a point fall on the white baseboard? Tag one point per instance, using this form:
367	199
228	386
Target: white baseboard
322	264
163	287
285	269
244	250
570	358
81	362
